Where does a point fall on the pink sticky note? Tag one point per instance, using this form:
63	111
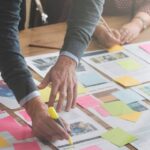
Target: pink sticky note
27	146
102	111
24	114
87	101
146	47
94	147
17	130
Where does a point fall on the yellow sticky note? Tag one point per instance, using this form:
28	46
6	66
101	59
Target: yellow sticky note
3	143
115	48
45	93
127	81
131	117
81	89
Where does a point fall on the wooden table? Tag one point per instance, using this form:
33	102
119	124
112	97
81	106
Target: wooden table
53	35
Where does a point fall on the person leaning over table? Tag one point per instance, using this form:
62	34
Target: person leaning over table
83	18
139	10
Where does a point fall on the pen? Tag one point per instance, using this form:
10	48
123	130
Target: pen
107	26
43	46
54	115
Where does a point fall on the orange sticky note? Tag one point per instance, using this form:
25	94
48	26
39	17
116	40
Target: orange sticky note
127	81
81	89
45	93
3	142
131	117
115	48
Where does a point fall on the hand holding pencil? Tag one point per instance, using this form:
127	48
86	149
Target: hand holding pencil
106	36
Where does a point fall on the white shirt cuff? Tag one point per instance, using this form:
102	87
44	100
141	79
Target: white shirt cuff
69	54
29	97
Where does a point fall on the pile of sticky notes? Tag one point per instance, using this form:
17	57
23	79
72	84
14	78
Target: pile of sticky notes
89	101
118	137
127	81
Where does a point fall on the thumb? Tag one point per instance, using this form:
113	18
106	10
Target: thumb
44	83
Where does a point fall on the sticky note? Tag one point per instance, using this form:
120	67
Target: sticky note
3	142
129	64
27	146
137	106
127	81
115	48
17	130
146	47
134	117
87	101
93	147
81	89
117	108
45	93
118	137
90	79
101	111
127	96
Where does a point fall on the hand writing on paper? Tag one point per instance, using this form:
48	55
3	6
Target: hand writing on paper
42	125
105	38
129	32
62	78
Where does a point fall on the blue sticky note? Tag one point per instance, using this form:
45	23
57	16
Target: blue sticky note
91	79
128	96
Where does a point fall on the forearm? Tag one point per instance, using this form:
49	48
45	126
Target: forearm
12	64
81	25
142	19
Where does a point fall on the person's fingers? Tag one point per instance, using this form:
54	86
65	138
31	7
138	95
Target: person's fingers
58	129
62	96
75	93
124	34
44	82
69	98
53	94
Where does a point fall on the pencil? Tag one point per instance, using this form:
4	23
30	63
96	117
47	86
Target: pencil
43	46
107	26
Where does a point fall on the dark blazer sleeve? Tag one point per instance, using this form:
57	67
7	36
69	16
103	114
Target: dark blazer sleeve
81	25
12	64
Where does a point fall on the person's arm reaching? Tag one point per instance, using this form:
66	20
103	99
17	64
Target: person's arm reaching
139	22
15	73
81	25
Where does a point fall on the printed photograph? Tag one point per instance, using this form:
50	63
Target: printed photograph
137	106
80	128
44	63
81	68
108	58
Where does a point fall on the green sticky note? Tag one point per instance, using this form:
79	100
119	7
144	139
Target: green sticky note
129	64
117	108
118	137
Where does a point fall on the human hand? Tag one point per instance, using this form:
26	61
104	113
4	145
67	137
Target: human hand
130	32
43	126
62	78
105	38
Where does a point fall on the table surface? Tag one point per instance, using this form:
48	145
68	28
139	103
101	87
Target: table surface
53	35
